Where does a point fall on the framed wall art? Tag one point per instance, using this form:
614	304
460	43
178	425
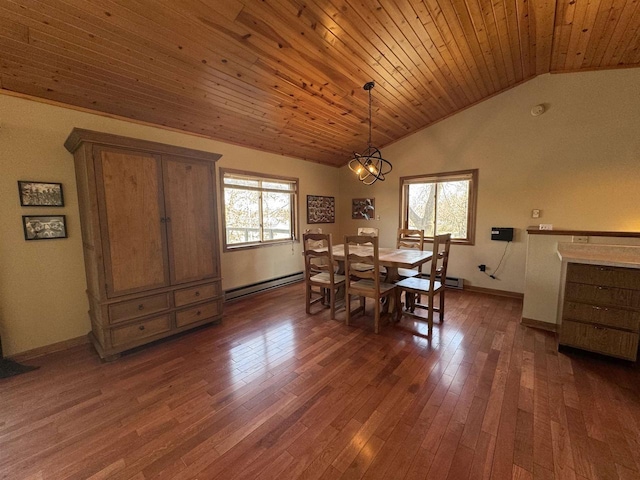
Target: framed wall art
363	209
40	194
321	209
41	227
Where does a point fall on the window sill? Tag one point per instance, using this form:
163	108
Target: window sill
250	246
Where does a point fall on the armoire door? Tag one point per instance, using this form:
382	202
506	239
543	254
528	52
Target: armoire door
132	218
189	192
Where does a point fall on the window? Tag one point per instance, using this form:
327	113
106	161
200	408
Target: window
258	209
441	203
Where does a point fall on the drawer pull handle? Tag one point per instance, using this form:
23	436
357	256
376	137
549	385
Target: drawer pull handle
141	307
141	327
197	294
602	288
198	312
599	328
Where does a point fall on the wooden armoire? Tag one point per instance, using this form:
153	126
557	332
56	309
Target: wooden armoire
150	238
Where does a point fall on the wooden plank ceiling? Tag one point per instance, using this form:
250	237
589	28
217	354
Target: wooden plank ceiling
286	76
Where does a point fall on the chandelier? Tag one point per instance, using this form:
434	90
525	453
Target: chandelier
369	165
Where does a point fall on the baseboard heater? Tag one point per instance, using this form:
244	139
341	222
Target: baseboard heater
451	282
262	286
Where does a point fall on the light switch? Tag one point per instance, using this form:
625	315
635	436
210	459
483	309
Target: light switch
535	213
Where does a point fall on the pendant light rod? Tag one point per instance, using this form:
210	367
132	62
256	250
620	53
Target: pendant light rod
369	165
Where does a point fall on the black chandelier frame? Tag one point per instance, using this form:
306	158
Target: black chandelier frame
369	165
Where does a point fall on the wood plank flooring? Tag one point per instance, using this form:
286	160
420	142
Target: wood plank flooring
273	393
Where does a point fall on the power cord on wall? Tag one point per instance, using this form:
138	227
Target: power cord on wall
494	275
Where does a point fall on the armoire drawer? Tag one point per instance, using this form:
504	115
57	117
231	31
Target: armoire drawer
196	314
197	294
604	275
140	330
605	316
140	307
610	341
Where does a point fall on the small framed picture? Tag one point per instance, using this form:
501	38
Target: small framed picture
363	208
42	227
321	209
40	194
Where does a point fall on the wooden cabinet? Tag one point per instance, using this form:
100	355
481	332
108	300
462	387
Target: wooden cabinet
150	239
601	309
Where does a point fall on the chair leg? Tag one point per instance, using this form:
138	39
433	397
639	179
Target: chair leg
308	297
398	304
332	302
430	317
442	305
347	303
411	301
376	320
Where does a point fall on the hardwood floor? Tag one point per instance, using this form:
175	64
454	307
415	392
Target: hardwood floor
273	393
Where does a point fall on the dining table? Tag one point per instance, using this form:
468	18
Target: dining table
390	258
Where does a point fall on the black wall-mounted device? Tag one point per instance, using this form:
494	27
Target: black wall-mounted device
504	234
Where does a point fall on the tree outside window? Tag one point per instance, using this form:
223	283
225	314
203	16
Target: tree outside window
441	203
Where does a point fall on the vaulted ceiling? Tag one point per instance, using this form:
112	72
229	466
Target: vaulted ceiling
286	76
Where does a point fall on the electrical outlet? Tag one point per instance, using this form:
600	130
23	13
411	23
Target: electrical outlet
580	239
535	213
546	226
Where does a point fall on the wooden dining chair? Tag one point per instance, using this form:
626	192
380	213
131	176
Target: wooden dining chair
427	287
321	281
315	244
372	232
360	249
411	239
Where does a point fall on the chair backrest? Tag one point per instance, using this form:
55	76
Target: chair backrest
362	249
440	260
318	244
410	239
318	255
371	231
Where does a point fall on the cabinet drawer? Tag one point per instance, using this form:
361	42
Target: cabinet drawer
606	316
140	307
201	312
609	341
599	295
197	294
140	330
605	276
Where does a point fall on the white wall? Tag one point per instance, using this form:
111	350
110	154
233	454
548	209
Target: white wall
42	283
579	163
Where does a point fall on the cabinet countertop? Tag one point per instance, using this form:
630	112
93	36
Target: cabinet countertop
597	254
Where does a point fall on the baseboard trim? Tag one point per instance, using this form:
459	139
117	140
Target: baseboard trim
259	287
540	325
491	291
53	348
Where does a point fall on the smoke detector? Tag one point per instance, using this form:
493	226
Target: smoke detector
537	110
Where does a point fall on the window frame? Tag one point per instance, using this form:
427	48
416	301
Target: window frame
261	177
471	175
